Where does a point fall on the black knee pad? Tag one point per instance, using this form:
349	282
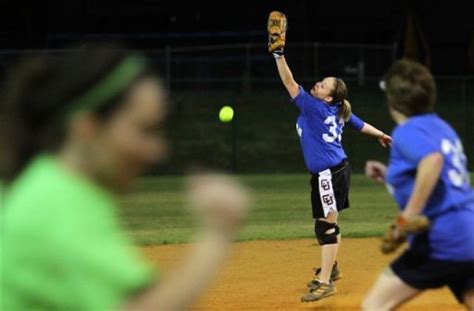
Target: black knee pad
320	229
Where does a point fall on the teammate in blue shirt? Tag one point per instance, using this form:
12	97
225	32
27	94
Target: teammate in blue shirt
427	175
323	114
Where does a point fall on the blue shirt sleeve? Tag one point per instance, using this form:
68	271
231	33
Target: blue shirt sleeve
414	143
355	122
307	103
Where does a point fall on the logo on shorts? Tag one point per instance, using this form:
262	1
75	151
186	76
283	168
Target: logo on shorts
328	199
325	184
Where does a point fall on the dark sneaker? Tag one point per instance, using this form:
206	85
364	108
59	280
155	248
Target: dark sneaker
314	284
322	291
335	274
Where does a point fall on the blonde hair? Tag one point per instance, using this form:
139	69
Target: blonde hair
345	110
339	95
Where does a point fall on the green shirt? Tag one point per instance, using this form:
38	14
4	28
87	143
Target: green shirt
62	246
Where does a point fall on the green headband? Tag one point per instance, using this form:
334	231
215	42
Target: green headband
120	77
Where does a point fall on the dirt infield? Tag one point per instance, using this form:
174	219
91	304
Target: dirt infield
269	275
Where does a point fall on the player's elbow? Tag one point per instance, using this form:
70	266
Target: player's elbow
289	82
438	159
293	89
431	165
435	160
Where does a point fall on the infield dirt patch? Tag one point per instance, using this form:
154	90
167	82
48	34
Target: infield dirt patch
272	275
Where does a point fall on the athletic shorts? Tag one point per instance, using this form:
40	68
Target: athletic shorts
330	189
422	272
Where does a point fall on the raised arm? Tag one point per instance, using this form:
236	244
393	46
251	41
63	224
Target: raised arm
286	76
276	27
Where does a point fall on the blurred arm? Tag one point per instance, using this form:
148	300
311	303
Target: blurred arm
375	170
179	289
220	204
427	175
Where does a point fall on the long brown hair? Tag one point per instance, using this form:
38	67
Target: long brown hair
339	95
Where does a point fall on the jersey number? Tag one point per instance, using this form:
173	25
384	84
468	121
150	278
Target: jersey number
333	135
458	174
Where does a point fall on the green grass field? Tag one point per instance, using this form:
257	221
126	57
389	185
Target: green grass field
155	212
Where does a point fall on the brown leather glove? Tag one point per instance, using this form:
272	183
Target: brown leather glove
276	27
398	231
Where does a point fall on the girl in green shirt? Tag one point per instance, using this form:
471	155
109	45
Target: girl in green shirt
80	128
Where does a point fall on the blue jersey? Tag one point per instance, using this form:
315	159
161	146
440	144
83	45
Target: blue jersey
320	132
451	205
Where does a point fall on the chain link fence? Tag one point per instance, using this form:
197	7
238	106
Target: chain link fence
262	136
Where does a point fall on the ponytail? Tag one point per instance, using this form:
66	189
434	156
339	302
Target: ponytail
339	95
345	110
18	128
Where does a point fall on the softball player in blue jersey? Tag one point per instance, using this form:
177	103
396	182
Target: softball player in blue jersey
427	176
323	113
